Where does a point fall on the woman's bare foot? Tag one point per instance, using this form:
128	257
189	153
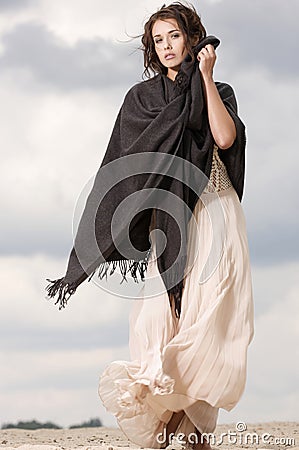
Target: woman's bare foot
173	424
202	443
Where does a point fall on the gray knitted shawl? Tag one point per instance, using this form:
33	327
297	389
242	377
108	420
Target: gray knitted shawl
159	156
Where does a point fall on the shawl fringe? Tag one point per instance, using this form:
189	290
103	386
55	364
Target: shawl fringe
125	266
65	290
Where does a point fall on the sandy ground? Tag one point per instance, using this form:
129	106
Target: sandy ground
286	435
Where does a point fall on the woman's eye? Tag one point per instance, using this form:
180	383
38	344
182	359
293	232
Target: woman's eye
176	35
158	40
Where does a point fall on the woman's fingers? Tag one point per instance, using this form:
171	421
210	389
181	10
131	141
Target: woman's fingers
207	58
206	51
210	48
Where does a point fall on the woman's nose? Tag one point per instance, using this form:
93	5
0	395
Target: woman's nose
167	44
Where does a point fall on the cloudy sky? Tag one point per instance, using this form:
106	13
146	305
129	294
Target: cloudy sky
65	67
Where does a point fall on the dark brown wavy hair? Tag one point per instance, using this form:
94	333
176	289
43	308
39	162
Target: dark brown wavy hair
189	23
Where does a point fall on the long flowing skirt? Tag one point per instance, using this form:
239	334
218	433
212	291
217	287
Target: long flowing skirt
196	363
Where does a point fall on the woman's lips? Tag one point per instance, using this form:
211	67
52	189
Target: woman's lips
170	56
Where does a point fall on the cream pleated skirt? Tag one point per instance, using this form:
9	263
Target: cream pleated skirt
196	363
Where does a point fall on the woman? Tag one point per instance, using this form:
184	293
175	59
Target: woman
166	201
185	368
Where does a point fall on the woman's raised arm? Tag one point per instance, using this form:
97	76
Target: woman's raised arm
222	125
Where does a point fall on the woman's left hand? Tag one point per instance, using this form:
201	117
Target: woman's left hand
207	59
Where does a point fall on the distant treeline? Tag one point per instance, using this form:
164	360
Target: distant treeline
35	425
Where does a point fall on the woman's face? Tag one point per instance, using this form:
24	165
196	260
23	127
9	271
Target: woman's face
169	43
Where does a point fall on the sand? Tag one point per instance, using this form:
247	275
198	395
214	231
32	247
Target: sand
285	433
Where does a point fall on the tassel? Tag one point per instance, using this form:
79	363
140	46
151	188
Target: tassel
64	290
125	266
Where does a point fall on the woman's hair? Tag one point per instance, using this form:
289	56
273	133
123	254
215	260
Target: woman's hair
189	23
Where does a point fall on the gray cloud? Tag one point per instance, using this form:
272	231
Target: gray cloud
34	338
33	236
15	4
255	33
89	64
274	244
